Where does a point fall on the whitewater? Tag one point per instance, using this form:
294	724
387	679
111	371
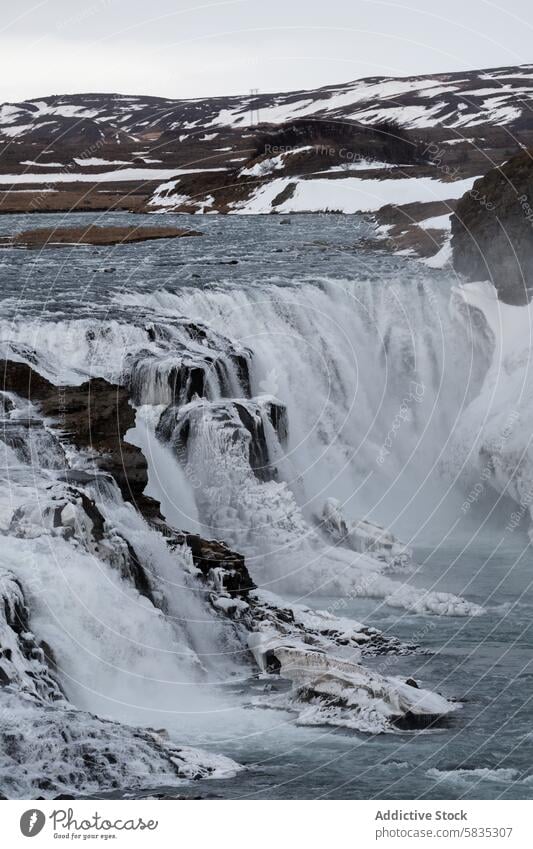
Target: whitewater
338	416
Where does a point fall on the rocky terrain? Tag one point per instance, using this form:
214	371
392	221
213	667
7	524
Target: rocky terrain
492	230
401	146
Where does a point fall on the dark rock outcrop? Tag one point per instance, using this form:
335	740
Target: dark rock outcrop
222	568
385	140
245	419
24	381
94	417
492	230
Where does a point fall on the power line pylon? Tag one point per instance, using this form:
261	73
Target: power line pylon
254	109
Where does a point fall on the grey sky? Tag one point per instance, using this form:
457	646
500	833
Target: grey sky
181	48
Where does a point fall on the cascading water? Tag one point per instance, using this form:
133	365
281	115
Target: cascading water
366	381
348	360
273	413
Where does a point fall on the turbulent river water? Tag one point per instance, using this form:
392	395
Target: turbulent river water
376	362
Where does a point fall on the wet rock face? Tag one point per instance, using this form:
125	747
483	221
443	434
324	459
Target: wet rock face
67	511
221	567
26	665
21	379
492	230
258	448
94	417
240	423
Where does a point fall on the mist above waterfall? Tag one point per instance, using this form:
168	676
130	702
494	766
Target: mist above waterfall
369	375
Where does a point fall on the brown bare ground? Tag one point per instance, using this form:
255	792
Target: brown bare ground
52	237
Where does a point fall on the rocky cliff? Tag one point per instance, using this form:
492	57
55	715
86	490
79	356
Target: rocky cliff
492	230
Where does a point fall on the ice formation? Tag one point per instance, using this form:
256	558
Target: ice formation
116	615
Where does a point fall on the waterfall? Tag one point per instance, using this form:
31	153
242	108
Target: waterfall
272	418
361	378
350	391
369	375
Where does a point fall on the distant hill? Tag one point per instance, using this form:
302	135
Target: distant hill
381	142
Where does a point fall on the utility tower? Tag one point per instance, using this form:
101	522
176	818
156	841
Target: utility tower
254	108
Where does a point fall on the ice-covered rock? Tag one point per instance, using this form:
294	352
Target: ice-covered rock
205	368
46	753
67	511
365	537
252	426
318	652
328	690
26	664
23	430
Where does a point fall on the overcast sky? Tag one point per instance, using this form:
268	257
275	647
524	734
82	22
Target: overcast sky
180	48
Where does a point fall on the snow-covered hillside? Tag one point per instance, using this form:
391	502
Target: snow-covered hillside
381	142
500	96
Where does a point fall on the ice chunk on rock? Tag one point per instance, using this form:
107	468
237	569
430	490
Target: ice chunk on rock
364	537
328	690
